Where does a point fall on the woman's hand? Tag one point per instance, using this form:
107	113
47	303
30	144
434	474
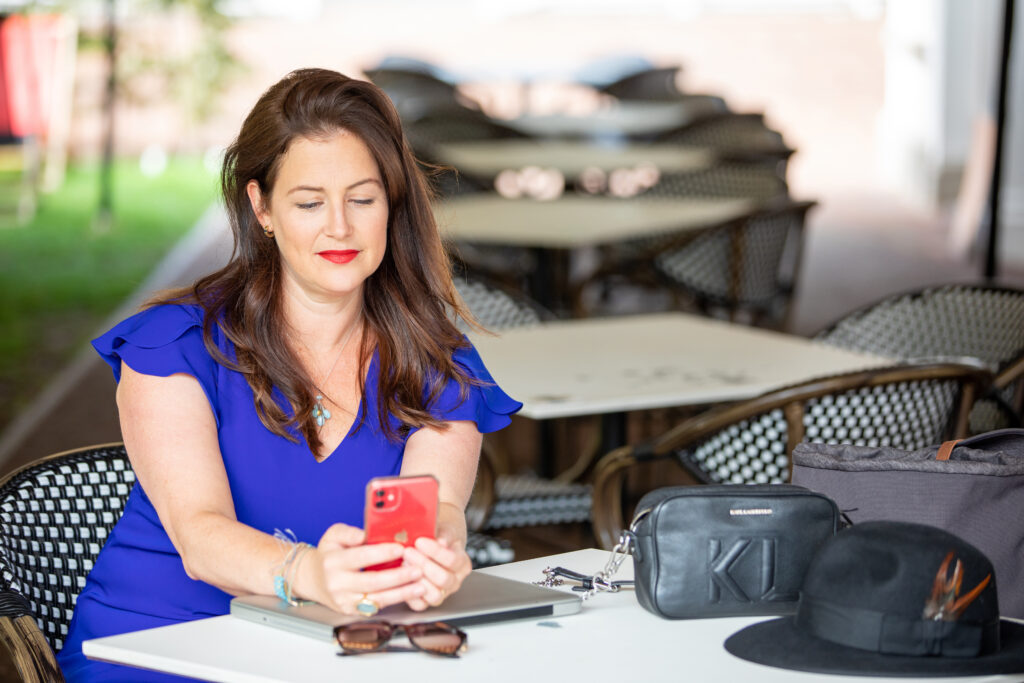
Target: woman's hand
443	562
333	577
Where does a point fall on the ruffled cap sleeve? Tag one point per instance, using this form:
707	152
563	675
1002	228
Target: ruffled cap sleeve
162	341
486	405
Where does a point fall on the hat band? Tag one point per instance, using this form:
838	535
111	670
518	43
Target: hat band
891	634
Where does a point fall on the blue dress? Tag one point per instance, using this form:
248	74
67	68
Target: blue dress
138	580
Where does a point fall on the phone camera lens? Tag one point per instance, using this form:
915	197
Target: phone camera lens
379	504
379	493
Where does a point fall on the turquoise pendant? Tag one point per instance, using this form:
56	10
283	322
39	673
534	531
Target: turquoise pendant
320	414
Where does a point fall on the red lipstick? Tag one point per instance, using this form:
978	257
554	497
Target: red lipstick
339	256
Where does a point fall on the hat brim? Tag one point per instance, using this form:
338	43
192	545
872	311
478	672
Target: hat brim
779	643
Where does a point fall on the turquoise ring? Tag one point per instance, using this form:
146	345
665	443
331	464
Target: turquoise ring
367	607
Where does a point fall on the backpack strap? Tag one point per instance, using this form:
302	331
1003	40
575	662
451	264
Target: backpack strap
946	449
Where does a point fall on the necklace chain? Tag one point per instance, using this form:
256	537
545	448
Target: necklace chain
320	413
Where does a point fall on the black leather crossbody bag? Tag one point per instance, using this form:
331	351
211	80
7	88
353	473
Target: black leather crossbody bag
718	551
726	550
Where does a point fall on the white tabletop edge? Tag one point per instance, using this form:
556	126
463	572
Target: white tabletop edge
110	650
574	381
511	652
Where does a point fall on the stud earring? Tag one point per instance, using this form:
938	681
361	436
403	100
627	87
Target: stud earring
268	231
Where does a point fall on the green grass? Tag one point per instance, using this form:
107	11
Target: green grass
60	278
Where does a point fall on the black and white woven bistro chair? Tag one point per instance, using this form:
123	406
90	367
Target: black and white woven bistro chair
55	515
745	269
732	134
731	179
456	124
747	265
517	499
982	322
655	83
497	307
907	406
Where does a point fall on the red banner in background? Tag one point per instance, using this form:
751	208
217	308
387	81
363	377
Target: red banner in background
5	116
30	46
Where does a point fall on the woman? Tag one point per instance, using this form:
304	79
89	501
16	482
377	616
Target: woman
261	401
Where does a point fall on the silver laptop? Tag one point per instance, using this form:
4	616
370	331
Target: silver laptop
482	599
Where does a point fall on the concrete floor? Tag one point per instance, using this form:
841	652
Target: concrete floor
862	247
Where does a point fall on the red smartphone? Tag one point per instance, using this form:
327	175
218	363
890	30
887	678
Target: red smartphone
400	510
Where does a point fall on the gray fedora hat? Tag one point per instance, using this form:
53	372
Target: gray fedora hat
891	599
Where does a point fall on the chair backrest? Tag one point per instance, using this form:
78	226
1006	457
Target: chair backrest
656	83
496	307
727	131
414	92
946	322
909	406
455	124
749	263
742	180
384	76
949	321
55	515
407	63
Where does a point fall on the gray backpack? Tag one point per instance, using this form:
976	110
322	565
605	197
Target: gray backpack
973	488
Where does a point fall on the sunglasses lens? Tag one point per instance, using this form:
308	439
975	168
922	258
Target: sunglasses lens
363	637
437	637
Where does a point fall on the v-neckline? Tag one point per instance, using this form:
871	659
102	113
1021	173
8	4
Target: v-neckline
355	420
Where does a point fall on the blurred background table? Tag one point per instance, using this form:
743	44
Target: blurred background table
571	222
623	119
612	365
556	230
571	158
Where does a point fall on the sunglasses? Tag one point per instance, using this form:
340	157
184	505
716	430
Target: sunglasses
435	637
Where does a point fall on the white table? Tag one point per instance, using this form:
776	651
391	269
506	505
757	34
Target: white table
611	365
572	222
612	639
488	158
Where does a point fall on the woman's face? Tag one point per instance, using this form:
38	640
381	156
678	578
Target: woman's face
329	213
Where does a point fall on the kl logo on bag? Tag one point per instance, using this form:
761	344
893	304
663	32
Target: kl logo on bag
743	569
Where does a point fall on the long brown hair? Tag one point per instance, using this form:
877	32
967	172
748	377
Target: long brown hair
406	301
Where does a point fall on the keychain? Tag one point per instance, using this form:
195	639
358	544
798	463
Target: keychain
590	585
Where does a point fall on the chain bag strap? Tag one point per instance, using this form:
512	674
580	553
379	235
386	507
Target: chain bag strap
601	581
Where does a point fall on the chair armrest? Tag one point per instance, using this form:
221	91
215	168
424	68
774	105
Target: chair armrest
13	604
30	653
609	474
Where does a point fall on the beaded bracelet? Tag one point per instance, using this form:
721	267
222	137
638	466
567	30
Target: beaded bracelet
281	587
290	584
282	584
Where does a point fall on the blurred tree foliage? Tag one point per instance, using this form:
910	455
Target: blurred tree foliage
196	76
173	50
